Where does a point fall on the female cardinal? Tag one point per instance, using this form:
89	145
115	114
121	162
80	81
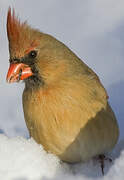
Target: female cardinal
65	106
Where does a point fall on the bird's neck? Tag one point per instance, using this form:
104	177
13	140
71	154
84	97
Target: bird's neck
34	82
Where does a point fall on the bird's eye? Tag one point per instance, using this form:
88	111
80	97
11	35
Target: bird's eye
33	54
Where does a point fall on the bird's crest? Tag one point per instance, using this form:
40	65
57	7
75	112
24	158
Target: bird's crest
19	34
13	26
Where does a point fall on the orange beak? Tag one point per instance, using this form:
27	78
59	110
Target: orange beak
17	72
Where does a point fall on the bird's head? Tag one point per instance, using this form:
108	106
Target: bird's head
35	57
23	48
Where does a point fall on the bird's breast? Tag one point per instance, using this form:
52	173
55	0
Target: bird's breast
48	119
66	121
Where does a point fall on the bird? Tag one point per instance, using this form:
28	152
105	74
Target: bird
66	107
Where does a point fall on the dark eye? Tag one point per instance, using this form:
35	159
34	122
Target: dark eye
33	54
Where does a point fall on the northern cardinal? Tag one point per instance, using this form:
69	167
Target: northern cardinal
65	105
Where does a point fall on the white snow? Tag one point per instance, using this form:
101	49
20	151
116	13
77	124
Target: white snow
24	159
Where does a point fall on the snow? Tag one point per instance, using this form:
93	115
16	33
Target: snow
24	159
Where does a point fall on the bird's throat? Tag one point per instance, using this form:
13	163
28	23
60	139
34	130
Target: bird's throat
34	82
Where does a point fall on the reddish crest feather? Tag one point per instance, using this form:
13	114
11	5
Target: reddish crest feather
19	35
13	26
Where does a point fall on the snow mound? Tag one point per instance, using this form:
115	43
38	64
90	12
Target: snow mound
22	159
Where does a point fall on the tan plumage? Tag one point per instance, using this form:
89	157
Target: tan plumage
66	109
